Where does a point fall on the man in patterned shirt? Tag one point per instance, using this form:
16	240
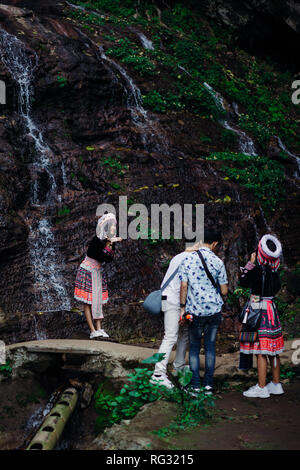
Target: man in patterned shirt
199	297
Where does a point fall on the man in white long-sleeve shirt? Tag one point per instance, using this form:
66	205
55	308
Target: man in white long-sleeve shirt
173	333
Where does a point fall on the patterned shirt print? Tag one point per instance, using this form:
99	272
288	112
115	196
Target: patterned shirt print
202	298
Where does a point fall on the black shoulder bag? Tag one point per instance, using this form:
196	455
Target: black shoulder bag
250	317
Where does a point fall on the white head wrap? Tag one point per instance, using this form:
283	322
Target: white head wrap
106	226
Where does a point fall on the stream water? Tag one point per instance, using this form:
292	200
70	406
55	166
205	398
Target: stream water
152	138
49	287
246	144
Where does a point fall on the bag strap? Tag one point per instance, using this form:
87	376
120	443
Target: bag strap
169	280
216	286
263	280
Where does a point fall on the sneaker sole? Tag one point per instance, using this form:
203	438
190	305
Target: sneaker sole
154	382
255	396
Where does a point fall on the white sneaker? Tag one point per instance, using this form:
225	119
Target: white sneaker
275	389
95	334
103	334
208	390
257	392
161	380
194	392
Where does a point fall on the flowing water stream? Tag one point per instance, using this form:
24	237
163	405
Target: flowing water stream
151	138
246	144
50	290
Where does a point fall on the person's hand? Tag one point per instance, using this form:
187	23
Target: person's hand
181	320
253	258
115	239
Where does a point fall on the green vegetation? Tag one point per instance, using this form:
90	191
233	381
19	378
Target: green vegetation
239	294
6	369
286	372
138	391
189	51
128	53
113	164
62	81
64	211
260	175
258	86
288	313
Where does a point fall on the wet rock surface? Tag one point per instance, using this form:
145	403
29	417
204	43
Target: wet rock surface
82	111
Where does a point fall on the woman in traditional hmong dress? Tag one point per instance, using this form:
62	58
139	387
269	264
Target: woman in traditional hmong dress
90	284
269	341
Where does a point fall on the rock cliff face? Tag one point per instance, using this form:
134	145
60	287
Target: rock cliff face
264	26
69	110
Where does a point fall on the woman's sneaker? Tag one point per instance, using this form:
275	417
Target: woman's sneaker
194	392
257	392
95	334
275	389
103	334
161	380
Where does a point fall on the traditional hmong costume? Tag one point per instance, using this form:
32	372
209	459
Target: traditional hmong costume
90	284
270	338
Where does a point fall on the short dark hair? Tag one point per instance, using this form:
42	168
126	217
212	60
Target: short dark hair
211	236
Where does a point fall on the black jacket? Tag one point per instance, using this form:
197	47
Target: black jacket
253	279
97	251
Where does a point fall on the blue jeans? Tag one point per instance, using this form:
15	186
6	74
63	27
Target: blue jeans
209	326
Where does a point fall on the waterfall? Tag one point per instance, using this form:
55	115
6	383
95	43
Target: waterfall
49	284
134	100
295	157
246	144
138	113
146	43
21	63
134	97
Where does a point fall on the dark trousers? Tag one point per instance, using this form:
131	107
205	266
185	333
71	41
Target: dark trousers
207	326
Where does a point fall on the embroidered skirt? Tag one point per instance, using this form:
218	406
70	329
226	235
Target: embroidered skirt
90	286
270	339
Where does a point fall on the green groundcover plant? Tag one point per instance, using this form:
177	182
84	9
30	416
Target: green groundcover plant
259	174
139	391
189	51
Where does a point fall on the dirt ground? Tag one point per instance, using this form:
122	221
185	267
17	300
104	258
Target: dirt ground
248	423
237	423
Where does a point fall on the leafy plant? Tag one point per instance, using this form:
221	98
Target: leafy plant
64	211
130	54
132	396
62	81
260	175
139	391
6	369
193	409
286	373
114	165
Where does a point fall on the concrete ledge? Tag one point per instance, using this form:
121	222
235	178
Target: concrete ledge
114	359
